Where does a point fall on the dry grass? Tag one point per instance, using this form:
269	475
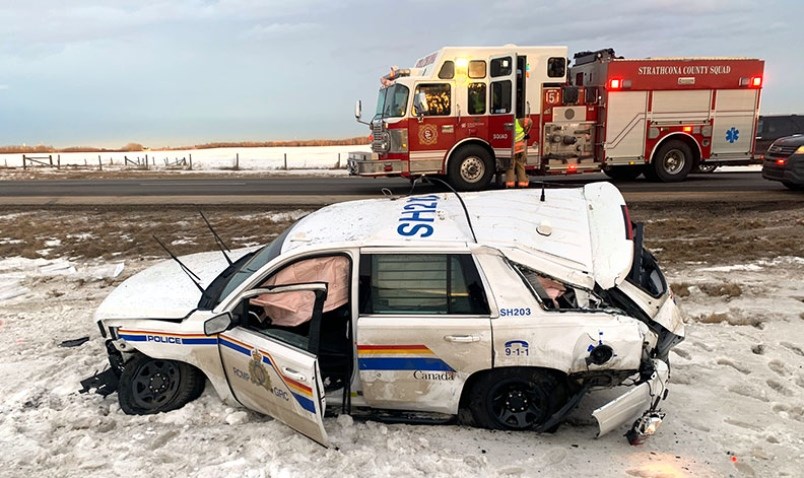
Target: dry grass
727	289
730	318
680	289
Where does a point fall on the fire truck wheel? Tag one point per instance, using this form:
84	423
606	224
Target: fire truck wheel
149	385
671	162
515	399
623	173
470	169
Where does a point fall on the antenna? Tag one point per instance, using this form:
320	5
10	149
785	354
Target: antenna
193	277
223	247
465	211
541	198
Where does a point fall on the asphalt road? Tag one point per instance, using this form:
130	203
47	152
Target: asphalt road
321	190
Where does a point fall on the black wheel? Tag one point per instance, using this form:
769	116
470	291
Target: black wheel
623	173
793	186
671	162
515	399
470	169
149	385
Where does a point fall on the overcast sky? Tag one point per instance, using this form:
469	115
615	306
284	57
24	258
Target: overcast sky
172	72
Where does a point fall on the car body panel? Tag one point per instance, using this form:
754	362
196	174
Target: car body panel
574	244
624	408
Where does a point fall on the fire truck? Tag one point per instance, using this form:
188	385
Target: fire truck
453	115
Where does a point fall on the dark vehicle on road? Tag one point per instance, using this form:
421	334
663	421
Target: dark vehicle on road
771	128
784	161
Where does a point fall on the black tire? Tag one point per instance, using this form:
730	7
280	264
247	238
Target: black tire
149	385
515	399
672	162
793	186
623	173
470	169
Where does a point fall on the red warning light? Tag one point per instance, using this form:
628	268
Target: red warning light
756	81
688	129
615	84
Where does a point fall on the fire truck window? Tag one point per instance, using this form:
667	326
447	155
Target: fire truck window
477	98
556	67
501	97
477	69
447	71
415	284
501	67
438	99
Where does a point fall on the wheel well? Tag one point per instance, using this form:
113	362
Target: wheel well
684	138
560	376
466	143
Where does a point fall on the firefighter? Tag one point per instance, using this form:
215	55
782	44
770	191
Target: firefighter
517	164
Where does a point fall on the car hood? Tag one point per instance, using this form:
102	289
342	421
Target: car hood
162	291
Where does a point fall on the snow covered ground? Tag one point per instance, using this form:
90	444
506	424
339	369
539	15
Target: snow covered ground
264	159
736	405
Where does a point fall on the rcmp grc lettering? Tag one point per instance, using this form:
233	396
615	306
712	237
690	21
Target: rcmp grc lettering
164	340
415	215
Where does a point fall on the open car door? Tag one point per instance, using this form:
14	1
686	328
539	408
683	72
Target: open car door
274	369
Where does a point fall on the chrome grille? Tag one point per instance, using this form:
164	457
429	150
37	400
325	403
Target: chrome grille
379	137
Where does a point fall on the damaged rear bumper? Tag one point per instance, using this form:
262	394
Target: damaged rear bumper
640	399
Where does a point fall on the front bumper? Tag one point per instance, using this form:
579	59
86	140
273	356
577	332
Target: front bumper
369	164
637	400
792	171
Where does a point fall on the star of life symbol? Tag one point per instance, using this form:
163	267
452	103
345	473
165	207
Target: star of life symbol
732	134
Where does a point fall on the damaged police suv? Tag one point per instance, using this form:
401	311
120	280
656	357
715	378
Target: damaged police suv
502	309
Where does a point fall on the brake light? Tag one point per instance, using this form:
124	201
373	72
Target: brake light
756	81
780	162
572	168
629	226
615	84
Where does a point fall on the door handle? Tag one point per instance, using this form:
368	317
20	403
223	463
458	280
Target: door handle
508	126
448	128
463	339
290	373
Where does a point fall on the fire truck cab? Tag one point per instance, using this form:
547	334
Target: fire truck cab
453	114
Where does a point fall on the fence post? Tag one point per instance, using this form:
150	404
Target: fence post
338	166
50	158
24	164
191	161
146	162
286	161
58	161
100	163
237	161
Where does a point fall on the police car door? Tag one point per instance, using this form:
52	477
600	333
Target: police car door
502	85
422	330
273	370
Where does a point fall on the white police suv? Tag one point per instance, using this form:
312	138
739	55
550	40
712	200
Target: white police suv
500	309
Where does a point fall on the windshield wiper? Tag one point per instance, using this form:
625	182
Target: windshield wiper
192	275
223	247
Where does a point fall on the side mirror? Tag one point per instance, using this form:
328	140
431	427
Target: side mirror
218	324
358	109
420	104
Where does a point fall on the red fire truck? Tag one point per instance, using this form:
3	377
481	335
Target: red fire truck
453	115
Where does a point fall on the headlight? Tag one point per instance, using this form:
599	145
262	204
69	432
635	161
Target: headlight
800	150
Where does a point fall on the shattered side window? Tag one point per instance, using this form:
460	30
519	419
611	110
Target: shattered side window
555	295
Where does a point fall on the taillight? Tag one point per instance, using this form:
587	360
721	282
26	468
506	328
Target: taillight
780	162
629	227
615	84
756	81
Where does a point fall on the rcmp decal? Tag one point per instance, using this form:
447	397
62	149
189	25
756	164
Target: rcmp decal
416	215
259	358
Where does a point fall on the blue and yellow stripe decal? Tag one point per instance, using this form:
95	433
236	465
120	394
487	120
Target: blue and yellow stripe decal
165	337
301	392
399	357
